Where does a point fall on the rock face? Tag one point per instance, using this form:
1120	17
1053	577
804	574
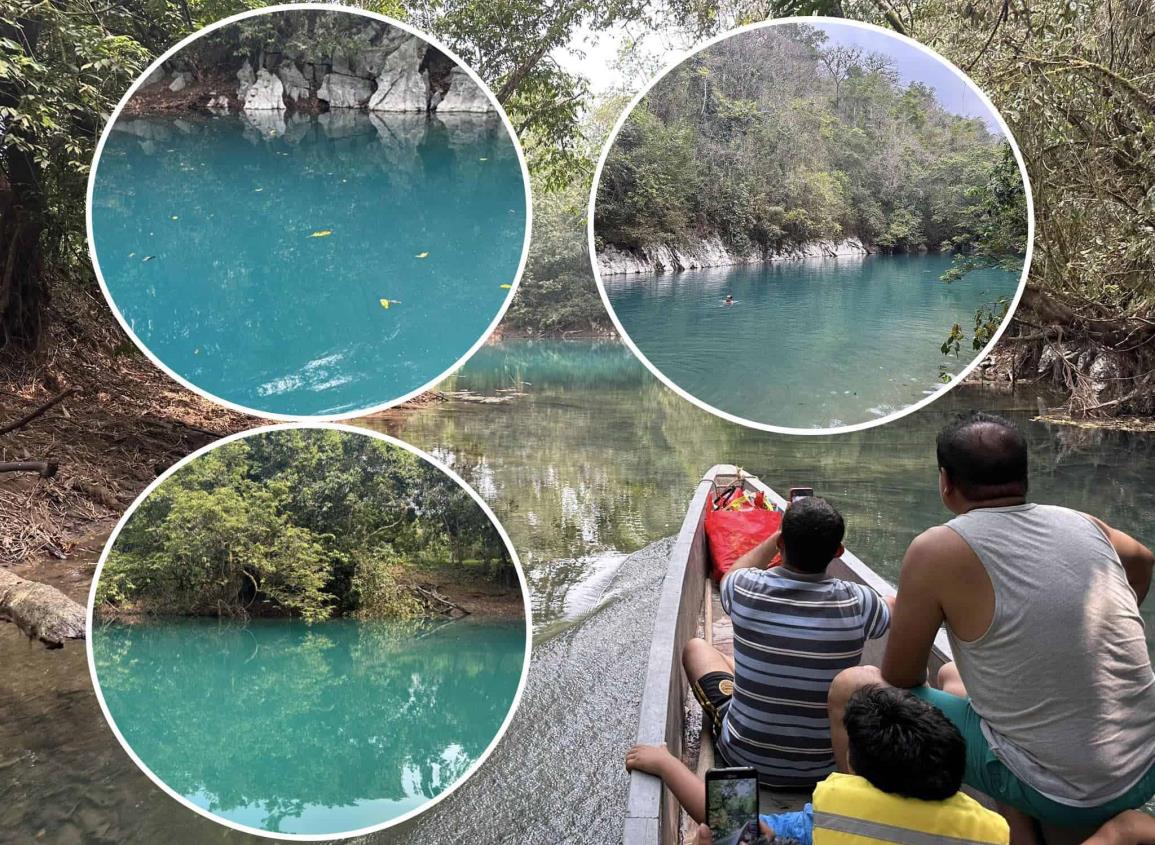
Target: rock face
380	70
245	78
464	95
344	92
400	87
296	86
614	261
267	93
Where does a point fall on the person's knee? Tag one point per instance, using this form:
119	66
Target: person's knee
694	650
849	680
949	680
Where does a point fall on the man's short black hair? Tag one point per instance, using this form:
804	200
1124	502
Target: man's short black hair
903	745
812	531
984	456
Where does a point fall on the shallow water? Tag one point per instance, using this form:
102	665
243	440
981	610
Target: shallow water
599	458
210	236
806	344
291	728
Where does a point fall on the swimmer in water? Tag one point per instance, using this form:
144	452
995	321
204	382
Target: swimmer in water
729	299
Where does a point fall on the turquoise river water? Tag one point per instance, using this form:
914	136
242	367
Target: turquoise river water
587	459
291	728
807	344
278	242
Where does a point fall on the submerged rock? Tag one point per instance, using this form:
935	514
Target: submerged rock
144	129
464	95
400	86
270	123
344	92
267	93
219	104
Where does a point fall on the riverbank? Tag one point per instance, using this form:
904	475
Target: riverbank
119	424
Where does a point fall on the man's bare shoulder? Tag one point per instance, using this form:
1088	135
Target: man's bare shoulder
939	548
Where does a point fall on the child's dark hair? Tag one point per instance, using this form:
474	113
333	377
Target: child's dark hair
812	531
903	745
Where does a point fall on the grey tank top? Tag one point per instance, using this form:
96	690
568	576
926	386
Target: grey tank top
1061	679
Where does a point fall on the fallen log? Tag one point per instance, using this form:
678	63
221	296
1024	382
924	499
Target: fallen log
438	603
40	611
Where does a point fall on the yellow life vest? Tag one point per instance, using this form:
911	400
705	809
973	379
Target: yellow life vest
849	811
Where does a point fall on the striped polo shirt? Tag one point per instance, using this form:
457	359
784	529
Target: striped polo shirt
793	632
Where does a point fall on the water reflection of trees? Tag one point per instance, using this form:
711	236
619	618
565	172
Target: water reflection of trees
601	456
283	717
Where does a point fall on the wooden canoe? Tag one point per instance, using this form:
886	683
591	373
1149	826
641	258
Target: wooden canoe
688	607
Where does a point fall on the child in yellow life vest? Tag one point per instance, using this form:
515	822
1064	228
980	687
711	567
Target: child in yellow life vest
908	761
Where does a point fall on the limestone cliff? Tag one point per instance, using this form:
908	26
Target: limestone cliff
616	261
380	68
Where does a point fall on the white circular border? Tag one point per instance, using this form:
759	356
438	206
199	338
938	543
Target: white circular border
734	418
347	429
325	7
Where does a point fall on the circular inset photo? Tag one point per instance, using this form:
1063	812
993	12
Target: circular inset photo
308	632
811	225
308	212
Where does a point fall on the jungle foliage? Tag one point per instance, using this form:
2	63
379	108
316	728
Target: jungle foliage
1075	81
777	137
312	523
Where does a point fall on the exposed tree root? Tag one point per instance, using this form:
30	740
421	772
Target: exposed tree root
1101	361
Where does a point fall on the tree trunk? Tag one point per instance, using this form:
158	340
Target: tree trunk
40	611
22	206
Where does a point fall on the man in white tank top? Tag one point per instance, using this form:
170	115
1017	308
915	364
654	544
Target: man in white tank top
1052	685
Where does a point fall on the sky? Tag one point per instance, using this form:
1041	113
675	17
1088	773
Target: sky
912	64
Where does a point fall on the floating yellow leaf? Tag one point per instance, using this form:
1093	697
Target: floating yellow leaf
423	255
323	233
258	190
385	303
483	158
507	287
174	217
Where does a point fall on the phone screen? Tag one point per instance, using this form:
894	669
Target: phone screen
732	805
800	492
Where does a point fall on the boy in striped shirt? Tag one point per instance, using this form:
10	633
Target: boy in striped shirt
795	628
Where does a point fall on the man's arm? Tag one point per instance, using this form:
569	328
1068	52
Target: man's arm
1137	558
917	614
758	557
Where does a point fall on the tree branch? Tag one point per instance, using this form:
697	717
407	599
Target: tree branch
27	418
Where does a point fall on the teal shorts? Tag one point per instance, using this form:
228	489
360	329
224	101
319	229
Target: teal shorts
987	773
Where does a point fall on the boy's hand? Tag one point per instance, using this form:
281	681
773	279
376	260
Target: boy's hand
705	837
651	759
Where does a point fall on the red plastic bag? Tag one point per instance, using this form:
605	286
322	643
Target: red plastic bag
735	524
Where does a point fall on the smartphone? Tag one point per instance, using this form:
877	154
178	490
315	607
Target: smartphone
800	492
732	805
